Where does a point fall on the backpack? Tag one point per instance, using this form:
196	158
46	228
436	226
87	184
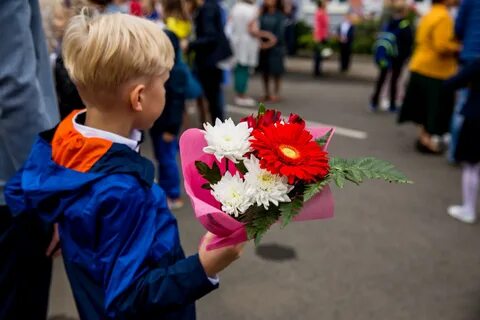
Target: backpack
385	48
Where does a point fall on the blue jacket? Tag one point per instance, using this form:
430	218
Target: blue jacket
469	76
119	241
467	29
211	45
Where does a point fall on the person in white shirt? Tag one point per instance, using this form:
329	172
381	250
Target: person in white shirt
244	36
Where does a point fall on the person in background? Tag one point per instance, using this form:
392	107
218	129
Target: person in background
28	106
149	11
135	8
272	64
393	47
211	47
245	48
290	9
166	129
117	6
67	94
467	151
427	103
346	33
177	19
468	32
320	35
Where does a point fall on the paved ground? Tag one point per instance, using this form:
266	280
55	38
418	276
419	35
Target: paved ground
391	252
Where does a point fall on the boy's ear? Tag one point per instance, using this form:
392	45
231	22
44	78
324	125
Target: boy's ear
137	97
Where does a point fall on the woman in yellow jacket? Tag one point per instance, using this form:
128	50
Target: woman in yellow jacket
434	60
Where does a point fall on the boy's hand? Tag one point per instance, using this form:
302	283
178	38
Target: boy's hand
216	260
53	249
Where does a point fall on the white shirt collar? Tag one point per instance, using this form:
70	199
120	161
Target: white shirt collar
133	142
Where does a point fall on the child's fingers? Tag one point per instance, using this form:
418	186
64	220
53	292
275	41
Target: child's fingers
54	245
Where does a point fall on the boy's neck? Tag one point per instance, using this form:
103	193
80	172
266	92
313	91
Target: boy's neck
110	122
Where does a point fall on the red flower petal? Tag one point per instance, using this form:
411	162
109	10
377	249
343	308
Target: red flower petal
288	149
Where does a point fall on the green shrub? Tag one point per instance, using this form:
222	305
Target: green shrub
365	35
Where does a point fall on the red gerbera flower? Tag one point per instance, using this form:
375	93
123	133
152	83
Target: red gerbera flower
288	149
269	117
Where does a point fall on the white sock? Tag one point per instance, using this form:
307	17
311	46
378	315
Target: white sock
470	181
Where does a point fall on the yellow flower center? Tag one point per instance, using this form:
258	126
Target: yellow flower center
289	151
266	177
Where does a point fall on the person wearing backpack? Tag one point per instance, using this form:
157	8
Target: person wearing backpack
427	103
391	50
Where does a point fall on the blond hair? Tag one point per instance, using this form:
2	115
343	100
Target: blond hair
102	52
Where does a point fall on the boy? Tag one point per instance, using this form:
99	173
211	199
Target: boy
119	241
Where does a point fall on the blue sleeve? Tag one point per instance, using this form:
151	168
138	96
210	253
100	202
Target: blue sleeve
138	242
467	74
460	23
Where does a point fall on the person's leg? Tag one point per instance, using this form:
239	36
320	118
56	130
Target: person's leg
317	59
241	80
456	123
266	85
348	56
166	149
395	76
344	57
201	110
470	181
378	88
277	88
25	270
211	80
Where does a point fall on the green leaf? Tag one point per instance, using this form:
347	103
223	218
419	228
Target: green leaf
289	210
259	221
313	189
241	167
212	175
261	109
358	170
339	180
206	186
323	139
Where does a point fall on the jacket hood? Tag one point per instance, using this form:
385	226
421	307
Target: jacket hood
45	186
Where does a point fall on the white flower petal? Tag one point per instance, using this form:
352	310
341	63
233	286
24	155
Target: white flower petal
232	193
227	140
264	186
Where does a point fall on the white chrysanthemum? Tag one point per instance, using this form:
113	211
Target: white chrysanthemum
265	187
232	193
227	140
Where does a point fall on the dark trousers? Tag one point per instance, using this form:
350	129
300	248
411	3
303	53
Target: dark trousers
168	173
25	271
345	56
211	81
396	71
317	59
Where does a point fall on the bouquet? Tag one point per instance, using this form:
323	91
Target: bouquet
243	178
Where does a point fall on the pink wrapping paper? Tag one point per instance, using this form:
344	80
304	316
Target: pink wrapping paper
226	229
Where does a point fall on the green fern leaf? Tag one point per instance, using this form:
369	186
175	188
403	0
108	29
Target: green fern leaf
313	189
357	170
289	210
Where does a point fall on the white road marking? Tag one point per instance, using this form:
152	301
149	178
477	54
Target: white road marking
345	132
